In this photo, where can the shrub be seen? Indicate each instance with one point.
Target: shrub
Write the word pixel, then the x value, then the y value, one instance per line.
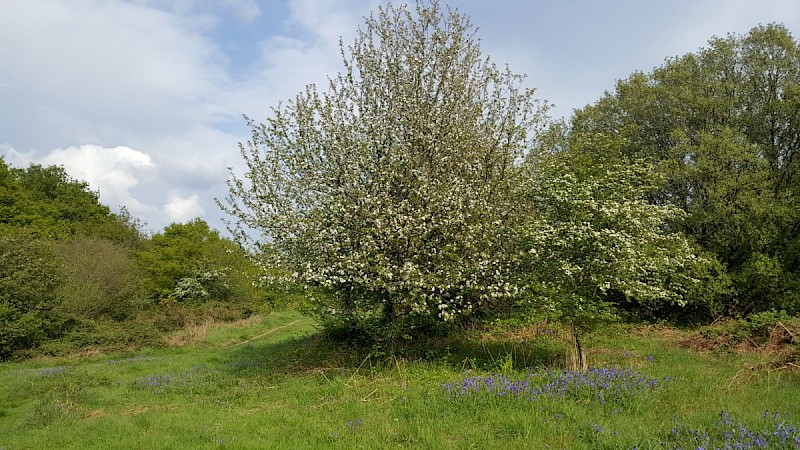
pixel 190 262
pixel 29 277
pixel 101 280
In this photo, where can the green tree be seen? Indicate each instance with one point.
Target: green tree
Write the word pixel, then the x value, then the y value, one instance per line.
pixel 55 204
pixel 29 277
pixel 10 194
pixel 394 190
pixel 191 262
pixel 722 127
pixel 595 240
pixel 47 202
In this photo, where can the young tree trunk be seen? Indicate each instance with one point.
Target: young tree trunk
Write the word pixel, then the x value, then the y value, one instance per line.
pixel 388 310
pixel 576 356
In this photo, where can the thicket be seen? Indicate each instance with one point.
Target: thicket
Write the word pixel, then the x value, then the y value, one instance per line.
pixel 74 274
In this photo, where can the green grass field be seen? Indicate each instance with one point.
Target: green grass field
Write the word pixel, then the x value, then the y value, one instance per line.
pixel 272 382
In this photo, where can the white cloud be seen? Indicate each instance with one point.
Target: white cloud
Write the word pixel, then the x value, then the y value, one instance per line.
pixel 182 209
pixel 329 19
pixel 196 159
pixel 114 172
pixel 306 52
pixel 90 71
pixel 15 157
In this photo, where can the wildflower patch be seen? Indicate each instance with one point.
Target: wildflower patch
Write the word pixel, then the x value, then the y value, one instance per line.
pixel 601 384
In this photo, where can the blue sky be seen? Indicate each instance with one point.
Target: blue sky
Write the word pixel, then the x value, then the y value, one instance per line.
pixel 143 98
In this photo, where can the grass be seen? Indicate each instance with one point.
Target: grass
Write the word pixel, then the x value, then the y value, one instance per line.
pixel 272 382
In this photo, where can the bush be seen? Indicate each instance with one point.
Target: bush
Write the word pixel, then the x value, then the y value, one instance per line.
pixel 763 284
pixel 29 277
pixel 189 262
pixel 101 280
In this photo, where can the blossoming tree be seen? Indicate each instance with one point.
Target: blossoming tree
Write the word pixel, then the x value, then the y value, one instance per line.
pixel 596 239
pixel 394 189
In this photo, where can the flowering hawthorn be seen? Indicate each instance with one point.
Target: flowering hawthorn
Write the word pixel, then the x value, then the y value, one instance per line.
pixel 394 189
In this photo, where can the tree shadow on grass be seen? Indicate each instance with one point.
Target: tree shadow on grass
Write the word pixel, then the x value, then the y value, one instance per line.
pixel 460 351
pixel 503 353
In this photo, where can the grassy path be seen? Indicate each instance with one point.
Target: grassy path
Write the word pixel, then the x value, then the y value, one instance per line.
pixel 259 336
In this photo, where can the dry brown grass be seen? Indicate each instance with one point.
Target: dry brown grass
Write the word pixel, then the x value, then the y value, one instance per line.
pixel 191 333
pixel 779 349
pixel 524 333
pixel 197 331
pixel 248 322
pixel 663 331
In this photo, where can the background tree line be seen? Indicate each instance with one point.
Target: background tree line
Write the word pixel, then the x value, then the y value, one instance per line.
pixel 74 274
pixel 722 126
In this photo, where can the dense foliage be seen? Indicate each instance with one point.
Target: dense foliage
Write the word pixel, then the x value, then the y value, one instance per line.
pixel 47 202
pixel 594 242
pixel 190 262
pixel 72 273
pixel 722 126
pixel 28 283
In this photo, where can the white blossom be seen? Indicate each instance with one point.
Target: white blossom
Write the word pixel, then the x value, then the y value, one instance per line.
pixel 397 182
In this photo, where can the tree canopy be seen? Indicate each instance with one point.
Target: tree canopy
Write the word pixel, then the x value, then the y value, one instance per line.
pixel 393 188
pixel 722 126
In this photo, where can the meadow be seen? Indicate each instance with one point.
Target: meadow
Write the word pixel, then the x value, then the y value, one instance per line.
pixel 273 381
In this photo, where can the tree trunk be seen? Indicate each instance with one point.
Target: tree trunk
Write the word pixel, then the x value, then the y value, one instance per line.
pixel 576 356
pixel 388 310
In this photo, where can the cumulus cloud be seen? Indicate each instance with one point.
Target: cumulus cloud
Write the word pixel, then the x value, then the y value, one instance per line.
pixel 15 157
pixel 183 209
pixel 114 171
pixel 86 71
pixel 196 159
pixel 329 19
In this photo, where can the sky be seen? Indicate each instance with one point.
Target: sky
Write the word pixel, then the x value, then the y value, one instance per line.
pixel 143 99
